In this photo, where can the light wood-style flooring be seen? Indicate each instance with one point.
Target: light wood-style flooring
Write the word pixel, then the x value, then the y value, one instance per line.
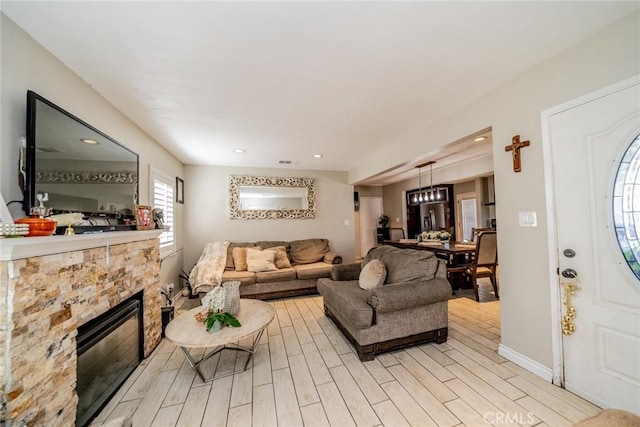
pixel 305 373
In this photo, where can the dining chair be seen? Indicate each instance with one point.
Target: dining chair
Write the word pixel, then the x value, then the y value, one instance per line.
pixel 476 231
pixel 396 234
pixel 485 261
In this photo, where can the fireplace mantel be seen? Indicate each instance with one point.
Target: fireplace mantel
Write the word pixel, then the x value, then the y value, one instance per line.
pixel 29 247
pixel 49 286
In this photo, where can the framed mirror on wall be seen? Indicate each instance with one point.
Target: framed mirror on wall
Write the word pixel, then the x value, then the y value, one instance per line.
pixel 264 197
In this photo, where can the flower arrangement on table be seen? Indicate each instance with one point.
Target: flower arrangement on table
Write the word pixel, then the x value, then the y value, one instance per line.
pixel 215 316
pixel 436 235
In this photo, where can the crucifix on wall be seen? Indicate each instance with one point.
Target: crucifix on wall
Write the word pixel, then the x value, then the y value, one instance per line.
pixel 515 147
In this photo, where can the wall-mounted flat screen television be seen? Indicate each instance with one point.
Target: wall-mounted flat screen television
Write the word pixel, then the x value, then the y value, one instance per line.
pixel 79 167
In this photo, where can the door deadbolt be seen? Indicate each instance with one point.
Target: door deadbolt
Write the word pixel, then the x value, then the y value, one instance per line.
pixel 569 253
pixel 569 273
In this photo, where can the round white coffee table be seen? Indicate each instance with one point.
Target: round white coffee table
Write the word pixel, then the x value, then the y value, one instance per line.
pixel 186 332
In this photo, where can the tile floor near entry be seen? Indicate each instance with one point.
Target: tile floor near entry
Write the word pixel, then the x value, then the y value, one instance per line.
pixel 305 373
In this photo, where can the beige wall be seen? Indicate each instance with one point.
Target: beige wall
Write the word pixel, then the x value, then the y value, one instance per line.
pixel 207 212
pixel 26 65
pixel 514 108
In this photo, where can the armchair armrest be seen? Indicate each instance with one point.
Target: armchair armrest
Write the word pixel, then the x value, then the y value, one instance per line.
pixel 345 272
pixel 332 258
pixel 394 297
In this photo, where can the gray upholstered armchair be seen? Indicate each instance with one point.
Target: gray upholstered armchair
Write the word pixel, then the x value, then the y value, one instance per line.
pixel 410 307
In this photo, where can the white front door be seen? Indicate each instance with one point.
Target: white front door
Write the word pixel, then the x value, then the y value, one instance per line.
pixel 370 211
pixel 588 142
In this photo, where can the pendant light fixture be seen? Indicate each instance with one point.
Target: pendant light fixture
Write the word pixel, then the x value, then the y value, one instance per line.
pixel 429 194
pixel 417 197
pixel 432 195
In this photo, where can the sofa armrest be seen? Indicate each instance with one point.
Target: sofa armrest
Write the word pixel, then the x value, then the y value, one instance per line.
pixel 343 272
pixel 332 258
pixel 394 297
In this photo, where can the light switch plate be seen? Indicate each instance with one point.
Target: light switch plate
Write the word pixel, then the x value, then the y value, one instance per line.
pixel 347 222
pixel 528 219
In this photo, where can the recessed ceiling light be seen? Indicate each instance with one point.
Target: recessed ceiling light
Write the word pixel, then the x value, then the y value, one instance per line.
pixel 238 150
pixel 480 138
pixel 318 156
pixel 89 141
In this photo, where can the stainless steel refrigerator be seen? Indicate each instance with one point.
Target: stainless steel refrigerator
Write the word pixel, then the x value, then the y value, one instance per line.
pixel 434 216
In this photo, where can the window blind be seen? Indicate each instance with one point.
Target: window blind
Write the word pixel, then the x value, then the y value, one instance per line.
pixel 163 195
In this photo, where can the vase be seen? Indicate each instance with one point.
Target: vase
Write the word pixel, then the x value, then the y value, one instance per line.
pixel 232 297
pixel 217 325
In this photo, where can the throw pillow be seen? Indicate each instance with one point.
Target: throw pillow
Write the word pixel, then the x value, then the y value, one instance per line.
pixel 281 259
pixel 240 258
pixel 372 275
pixel 308 251
pixel 232 246
pixel 259 260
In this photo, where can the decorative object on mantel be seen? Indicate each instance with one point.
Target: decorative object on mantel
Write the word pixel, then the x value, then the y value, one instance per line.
pixel 158 218
pixel 144 217
pixel 214 318
pixel 69 231
pixel 179 190
pixel 14 230
pixel 515 147
pixel 38 224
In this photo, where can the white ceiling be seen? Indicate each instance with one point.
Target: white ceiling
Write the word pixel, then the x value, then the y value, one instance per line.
pixel 286 80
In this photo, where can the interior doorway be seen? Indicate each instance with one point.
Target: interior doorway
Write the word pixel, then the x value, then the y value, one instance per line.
pixel 466 215
pixel 370 210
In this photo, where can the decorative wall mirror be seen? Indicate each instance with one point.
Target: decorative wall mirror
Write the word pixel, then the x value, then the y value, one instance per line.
pixel 265 197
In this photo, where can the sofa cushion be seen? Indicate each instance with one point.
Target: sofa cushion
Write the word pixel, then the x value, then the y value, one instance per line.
pixel 259 260
pixel 308 251
pixel 244 277
pixel 348 299
pixel 281 259
pixel 316 270
pixel 230 264
pixel 372 275
pixel 405 265
pixel 268 244
pixel 240 258
pixel 280 275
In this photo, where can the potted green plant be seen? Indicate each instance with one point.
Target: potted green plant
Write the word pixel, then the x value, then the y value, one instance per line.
pixel 383 220
pixel 215 317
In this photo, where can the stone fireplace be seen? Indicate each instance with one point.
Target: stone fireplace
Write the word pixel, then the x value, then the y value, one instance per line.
pixel 49 286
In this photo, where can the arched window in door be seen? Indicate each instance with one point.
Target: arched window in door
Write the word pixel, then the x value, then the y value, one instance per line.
pixel 626 206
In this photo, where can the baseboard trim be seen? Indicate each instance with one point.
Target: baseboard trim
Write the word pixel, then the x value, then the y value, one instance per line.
pixel 523 361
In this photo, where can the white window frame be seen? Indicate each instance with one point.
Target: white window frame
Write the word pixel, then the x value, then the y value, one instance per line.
pixel 166 246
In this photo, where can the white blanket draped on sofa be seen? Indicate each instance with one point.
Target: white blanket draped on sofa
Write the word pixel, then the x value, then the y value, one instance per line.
pixel 207 273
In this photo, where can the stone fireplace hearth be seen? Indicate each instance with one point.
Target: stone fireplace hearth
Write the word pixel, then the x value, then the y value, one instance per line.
pixel 49 286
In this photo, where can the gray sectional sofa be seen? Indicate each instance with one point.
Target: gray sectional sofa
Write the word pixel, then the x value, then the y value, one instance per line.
pixel 409 308
pixel 310 259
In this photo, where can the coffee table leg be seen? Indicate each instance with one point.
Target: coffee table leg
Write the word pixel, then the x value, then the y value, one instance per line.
pixel 196 364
